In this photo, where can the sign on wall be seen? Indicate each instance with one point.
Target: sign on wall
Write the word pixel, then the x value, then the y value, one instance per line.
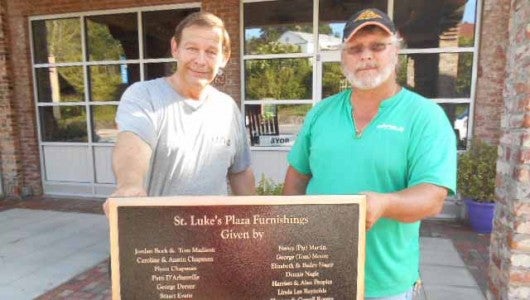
pixel 283 140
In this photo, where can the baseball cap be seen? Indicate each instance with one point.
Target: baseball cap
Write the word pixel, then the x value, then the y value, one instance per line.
pixel 365 17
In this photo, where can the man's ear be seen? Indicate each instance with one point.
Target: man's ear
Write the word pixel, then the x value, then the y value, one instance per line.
pixel 174 47
pixel 226 57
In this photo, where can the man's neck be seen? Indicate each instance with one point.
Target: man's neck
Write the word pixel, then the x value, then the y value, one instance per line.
pixel 366 103
pixel 189 92
pixel 374 97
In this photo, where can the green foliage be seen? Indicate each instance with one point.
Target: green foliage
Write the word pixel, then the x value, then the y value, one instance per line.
pixel 106 83
pixel 401 75
pixel 101 44
pixel 333 80
pixel 104 116
pixel 66 123
pixel 268 187
pixel 74 85
pixel 72 131
pixel 281 78
pixel 278 78
pixel 465 65
pixel 477 171
pixel 463 79
pixel 264 46
pixel 64 39
pixel 294 110
pixel 465 41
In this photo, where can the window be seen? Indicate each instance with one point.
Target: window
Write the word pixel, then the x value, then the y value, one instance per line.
pixel 278 69
pixel 286 72
pixel 82 64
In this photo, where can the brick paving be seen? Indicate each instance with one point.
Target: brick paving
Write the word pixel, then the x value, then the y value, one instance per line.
pixel 472 247
pixel 95 282
pixel 81 205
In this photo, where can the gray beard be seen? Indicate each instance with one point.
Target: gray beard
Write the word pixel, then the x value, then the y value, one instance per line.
pixel 371 82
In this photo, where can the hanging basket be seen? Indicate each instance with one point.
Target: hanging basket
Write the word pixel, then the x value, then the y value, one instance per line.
pixel 480 215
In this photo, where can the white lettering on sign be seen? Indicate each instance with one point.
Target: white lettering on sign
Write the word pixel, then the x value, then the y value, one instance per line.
pixel 276 140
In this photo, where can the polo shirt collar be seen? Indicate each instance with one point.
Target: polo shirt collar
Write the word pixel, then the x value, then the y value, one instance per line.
pixel 384 104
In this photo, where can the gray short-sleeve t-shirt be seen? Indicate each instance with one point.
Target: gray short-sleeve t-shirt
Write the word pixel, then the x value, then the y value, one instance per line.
pixel 195 143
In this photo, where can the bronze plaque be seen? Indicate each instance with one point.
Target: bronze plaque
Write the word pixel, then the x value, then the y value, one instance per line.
pixel 210 247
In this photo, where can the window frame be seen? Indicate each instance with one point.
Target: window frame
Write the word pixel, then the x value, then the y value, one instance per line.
pixel 319 57
pixel 97 188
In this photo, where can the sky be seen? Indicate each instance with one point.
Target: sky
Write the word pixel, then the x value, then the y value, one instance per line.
pixel 469 13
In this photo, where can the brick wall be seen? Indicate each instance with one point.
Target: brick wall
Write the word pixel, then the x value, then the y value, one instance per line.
pixel 491 70
pixel 509 270
pixel 228 10
pixel 10 165
pixel 19 151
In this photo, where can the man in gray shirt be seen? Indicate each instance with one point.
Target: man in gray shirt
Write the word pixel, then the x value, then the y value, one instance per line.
pixel 179 135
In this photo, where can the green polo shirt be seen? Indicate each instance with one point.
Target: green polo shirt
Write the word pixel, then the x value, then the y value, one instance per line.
pixel 410 141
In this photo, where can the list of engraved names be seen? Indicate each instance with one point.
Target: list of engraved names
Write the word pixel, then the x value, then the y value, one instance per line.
pixel 277 252
pixel 304 271
pixel 175 270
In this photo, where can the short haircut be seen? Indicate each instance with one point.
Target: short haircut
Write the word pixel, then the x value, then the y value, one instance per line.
pixel 204 19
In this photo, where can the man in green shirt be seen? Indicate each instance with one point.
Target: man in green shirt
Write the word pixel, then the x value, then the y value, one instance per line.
pixel 381 140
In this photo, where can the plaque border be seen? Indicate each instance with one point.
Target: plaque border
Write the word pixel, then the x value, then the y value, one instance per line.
pixel 173 201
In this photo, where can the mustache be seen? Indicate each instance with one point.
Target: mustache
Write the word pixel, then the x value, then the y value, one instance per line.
pixel 367 65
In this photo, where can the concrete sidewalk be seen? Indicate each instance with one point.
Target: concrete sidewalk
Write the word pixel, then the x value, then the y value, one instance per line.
pixel 444 274
pixel 63 255
pixel 40 250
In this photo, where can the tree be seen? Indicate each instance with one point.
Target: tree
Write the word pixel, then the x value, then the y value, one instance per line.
pixel 271 34
pixel 278 78
pixel 465 65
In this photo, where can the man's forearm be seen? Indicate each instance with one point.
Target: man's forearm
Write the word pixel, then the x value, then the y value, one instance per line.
pixel 295 183
pixel 418 202
pixel 130 160
pixel 243 183
pixel 415 203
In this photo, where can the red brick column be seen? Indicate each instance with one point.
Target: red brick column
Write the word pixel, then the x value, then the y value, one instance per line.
pixel 228 11
pixel 509 270
pixel 491 70
pixel 22 101
pixel 10 160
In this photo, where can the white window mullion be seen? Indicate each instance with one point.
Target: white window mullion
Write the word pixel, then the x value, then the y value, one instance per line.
pixel 86 70
pixel 85 58
pixel 390 9
pixel 59 104
pixel 452 100
pixel 474 72
pixel 279 102
pixel 438 50
pixel 277 56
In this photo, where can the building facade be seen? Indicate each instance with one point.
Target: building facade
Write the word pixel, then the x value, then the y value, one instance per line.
pixel 64 65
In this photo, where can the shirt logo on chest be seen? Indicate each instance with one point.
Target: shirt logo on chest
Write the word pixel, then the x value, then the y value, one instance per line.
pixel 221 140
pixel 391 127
